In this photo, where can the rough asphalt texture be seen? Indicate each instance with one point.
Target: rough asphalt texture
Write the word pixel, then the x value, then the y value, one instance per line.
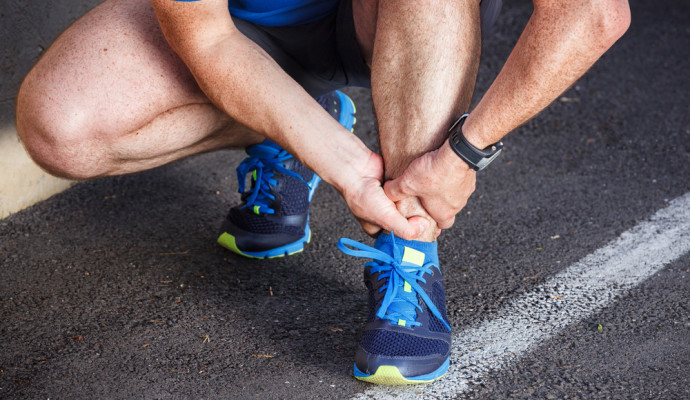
pixel 116 289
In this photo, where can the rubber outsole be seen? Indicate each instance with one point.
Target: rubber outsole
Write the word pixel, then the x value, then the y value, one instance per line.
pixel 228 241
pixel 390 375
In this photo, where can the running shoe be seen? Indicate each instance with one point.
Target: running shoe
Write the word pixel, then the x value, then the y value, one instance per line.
pixel 407 337
pixel 273 218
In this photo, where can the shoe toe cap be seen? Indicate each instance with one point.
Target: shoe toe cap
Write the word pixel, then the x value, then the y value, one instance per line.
pixel 409 367
pixel 412 355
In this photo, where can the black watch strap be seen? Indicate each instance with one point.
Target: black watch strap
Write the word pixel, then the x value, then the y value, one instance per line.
pixel 477 159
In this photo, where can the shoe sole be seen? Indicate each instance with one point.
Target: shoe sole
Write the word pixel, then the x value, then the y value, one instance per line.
pixel 348 120
pixel 228 241
pixel 390 375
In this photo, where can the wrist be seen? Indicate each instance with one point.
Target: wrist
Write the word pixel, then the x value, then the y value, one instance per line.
pixel 474 135
pixel 450 159
pixel 351 161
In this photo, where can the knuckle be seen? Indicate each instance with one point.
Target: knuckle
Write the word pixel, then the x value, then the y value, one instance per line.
pixel 406 184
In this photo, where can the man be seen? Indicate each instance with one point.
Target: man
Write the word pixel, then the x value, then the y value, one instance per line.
pixel 133 85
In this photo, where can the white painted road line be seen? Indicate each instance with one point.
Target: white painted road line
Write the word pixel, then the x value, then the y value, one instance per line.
pixel 570 296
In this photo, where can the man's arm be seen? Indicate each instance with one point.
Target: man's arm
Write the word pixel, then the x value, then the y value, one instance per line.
pixel 245 82
pixel 559 44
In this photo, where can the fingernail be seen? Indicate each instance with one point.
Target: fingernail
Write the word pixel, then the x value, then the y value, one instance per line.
pixel 423 226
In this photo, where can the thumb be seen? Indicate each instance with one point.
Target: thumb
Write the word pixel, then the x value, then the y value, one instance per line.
pixel 420 225
pixel 395 189
pixel 408 229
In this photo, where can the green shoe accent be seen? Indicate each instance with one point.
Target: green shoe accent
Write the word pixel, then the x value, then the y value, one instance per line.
pixel 390 375
pixel 228 241
pixel 288 254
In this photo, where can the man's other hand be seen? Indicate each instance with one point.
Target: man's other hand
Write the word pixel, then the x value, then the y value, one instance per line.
pixel 440 179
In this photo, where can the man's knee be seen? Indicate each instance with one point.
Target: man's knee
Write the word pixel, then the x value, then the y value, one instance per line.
pixel 57 136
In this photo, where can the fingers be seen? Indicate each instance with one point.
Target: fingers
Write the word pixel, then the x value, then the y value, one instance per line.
pixel 409 230
pixel 445 223
pixel 418 225
pixel 393 221
pixel 442 212
pixel 369 228
pixel 398 190
pixel 375 211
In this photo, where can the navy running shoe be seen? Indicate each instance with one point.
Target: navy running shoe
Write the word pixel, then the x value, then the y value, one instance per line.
pixel 407 337
pixel 273 218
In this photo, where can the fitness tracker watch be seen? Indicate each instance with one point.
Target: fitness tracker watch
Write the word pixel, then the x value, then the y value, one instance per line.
pixel 477 159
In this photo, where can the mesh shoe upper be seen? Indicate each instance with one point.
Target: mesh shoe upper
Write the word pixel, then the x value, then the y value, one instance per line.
pixel 398 344
pixel 286 194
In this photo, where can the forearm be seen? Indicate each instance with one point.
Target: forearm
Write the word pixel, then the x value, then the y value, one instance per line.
pixel 559 44
pixel 244 82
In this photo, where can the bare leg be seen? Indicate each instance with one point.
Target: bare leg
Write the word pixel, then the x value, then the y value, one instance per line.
pixel 424 60
pixel 111 97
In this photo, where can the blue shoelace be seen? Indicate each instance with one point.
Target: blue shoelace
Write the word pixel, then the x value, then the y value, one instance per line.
pixel 397 304
pixel 262 162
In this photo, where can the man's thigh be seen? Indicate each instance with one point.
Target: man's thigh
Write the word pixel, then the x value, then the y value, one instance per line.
pixel 112 71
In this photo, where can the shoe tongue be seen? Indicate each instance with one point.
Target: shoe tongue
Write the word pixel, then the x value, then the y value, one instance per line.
pixel 264 150
pixel 271 143
pixel 414 253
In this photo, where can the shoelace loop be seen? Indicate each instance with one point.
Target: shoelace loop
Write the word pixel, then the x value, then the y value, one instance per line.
pixel 396 304
pixel 263 160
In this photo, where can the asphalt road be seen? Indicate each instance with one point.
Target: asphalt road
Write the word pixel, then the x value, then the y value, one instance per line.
pixel 116 289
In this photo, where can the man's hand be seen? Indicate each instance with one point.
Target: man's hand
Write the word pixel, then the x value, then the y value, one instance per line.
pixel 372 208
pixel 440 179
